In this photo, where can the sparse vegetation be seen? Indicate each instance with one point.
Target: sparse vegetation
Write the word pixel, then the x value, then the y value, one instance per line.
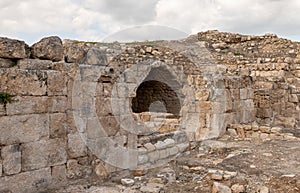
pixel 14 63
pixel 6 98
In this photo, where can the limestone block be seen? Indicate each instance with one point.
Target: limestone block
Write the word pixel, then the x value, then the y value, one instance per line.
pixel 296 73
pixel 107 89
pixel 23 82
pixel 160 145
pixel 109 124
pixel 57 104
pixel 238 188
pixel 57 83
pixel 167 128
pixel 180 137
pixel 243 93
pixel 33 181
pixel 182 146
pixel 23 128
pixel 265 129
pixel 220 188
pixel 15 49
pixel 58 125
pixel 142 159
pixel 153 156
pixel 164 153
pixel 264 112
pixel 173 150
pixel 293 98
pixel 11 156
pixel 76 146
pixel 74 54
pixel 276 130
pixel 149 146
pixel 95 56
pixel 6 63
pixel 101 170
pixel 49 48
pixel 28 105
pixel 43 153
pixel 59 175
pixel 241 132
pixel 218 107
pixel 264 136
pixel 76 170
pixel 35 64
pixel 2 110
pixel 232 132
pixel 202 95
pixel 220 95
pixel 103 106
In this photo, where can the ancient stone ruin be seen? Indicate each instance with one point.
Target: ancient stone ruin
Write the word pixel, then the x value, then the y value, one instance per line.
pixel 77 112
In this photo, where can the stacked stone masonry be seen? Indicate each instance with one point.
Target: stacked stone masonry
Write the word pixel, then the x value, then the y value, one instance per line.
pixel 197 88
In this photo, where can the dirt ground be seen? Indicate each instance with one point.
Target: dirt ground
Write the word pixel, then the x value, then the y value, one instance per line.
pixel 242 166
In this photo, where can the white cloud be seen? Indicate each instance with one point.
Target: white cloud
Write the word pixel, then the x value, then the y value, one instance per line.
pixel 92 20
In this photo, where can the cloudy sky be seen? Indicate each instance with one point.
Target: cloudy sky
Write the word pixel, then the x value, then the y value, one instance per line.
pixel 96 20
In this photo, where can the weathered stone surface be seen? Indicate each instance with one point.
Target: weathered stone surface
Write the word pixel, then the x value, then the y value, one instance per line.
pixel 59 175
pixel 28 105
pixel 101 171
pixel 34 181
pixel 237 188
pixel 22 82
pixel 2 110
pixel 76 146
pixel 220 188
pixel 1 168
pixel 43 153
pixel 57 83
pixel 95 56
pixel 49 48
pixel 11 156
pixel 23 129
pixel 35 64
pixel 58 125
pixel 74 54
pixel 6 63
pixel 152 188
pixel 57 104
pixel 10 48
pixel 77 170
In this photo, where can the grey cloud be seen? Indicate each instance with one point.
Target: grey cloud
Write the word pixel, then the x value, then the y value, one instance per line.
pixel 148 32
pixel 131 12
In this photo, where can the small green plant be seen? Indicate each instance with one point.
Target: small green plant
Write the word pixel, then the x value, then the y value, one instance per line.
pixel 236 53
pixel 13 64
pixel 5 98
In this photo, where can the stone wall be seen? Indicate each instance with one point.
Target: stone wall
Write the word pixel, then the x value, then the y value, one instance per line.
pixel 272 64
pixel 78 111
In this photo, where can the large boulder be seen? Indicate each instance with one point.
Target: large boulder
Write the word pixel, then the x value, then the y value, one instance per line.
pixel 49 48
pixel 13 49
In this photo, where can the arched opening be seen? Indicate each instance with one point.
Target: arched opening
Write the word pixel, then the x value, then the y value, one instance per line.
pixel 156 96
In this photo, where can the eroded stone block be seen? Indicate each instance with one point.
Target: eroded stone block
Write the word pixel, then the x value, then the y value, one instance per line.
pixel 11 156
pixel 76 146
pixel 43 153
pixel 58 125
pixel 57 83
pixel 33 181
pixel 23 128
